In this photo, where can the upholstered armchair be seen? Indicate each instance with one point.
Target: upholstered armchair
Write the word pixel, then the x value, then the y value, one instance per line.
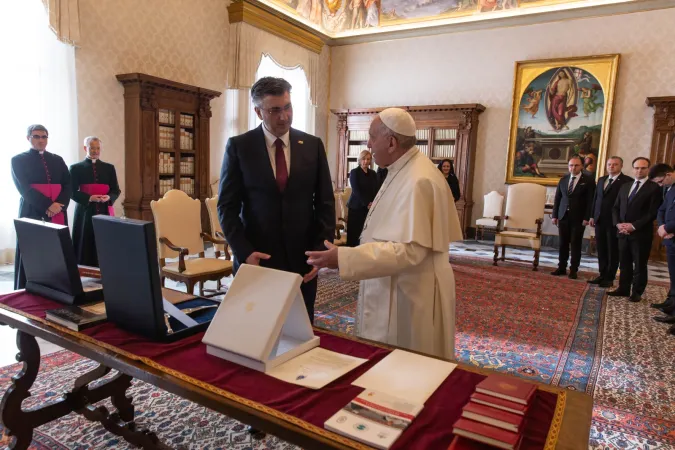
pixel 213 187
pixel 492 213
pixel 216 230
pixel 179 234
pixel 524 217
pixel 341 212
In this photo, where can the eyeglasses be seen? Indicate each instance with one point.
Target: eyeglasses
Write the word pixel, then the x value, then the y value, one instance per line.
pixel 276 111
pixel 37 136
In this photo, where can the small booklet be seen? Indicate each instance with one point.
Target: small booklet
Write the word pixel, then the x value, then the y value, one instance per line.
pixel 78 318
pixel 374 418
pixel 316 368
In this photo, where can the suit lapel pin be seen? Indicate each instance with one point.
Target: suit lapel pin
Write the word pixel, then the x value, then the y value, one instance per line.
pixel 301 142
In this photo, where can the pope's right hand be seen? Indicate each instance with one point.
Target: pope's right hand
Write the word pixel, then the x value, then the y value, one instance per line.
pixel 554 221
pixel 255 257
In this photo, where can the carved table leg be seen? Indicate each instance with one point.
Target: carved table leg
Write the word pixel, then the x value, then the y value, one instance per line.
pixel 20 423
pixel 12 416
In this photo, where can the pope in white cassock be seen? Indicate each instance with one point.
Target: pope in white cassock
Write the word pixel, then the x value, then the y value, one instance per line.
pixel 407 292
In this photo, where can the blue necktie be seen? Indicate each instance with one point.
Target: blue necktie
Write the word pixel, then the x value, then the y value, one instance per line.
pixel 632 194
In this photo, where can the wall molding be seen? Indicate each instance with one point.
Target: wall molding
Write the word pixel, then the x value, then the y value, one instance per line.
pixel 277 23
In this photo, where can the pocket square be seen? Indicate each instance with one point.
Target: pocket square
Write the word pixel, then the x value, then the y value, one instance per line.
pixel 301 142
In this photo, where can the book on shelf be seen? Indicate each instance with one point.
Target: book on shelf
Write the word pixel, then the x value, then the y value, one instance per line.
pixel 187 120
pixel 78 318
pixel 358 135
pixel 445 134
pixel 507 388
pixel 374 418
pixel 487 434
pixel 186 140
pixel 422 135
pixel 499 403
pixel 493 416
pixel 167 116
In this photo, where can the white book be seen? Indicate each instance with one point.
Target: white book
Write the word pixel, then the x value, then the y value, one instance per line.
pixel 374 418
pixel 406 375
pixel 262 322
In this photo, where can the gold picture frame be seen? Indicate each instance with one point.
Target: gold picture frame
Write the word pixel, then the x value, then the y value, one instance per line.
pixel 560 107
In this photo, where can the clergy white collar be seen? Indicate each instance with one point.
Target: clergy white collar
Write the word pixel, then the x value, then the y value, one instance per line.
pixel 399 163
pixel 270 139
pixel 92 160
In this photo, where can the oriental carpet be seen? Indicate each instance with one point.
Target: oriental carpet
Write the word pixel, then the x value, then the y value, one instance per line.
pixel 552 330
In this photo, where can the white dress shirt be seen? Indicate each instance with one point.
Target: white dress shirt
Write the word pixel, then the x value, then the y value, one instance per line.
pixel 642 183
pixel 575 181
pixel 270 139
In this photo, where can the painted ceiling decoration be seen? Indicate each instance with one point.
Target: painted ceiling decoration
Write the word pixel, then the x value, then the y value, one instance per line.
pixel 339 19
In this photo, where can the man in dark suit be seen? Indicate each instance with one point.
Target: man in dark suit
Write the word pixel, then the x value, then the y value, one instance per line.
pixel 605 232
pixel 571 211
pixel 276 198
pixel 634 212
pixel 662 174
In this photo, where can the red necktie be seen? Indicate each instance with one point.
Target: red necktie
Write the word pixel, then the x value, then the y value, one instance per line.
pixel 280 161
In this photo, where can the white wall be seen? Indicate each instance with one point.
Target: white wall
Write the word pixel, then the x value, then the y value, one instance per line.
pixel 478 67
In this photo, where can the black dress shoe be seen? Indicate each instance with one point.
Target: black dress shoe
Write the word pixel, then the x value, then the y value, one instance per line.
pixel 572 275
pixel 671 330
pixel 665 319
pixel 635 298
pixel 558 272
pixel 596 280
pixel 666 303
pixel 618 293
pixel 670 310
pixel 606 284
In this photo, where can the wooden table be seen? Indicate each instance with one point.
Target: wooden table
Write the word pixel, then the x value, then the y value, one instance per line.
pixel 574 433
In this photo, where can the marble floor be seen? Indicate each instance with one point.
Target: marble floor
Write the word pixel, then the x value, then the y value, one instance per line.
pixel 480 249
pixel 658 271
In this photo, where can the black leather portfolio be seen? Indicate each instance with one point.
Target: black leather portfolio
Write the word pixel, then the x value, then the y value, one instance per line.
pixel 128 258
pixel 48 259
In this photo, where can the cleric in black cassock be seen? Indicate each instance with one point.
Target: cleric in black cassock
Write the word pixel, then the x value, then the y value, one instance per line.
pixel 43 181
pixel 95 190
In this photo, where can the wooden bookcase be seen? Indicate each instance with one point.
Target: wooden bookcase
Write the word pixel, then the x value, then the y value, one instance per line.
pixel 443 131
pixel 662 151
pixel 166 128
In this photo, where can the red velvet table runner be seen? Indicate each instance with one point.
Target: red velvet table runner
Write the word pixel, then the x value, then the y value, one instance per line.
pixel 187 359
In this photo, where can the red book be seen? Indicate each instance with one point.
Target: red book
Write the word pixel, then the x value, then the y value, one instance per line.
pixel 486 434
pixel 492 416
pixel 462 443
pixel 508 388
pixel 499 403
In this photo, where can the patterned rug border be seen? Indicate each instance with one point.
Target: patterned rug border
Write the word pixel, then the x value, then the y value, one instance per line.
pixel 591 310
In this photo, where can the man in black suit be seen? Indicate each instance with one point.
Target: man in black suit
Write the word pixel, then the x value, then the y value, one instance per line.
pixel 605 232
pixel 276 198
pixel 662 174
pixel 571 211
pixel 634 212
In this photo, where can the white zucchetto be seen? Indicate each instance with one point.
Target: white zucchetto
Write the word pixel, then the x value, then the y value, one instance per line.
pixel 398 121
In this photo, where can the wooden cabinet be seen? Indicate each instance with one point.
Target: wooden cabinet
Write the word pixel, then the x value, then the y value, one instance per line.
pixel 663 149
pixel 443 131
pixel 166 140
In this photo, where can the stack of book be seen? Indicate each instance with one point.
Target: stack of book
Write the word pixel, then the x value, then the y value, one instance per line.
pixel 495 415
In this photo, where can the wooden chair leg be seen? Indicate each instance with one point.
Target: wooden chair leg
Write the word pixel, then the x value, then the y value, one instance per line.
pixel 190 287
pixel 201 288
pixel 536 260
pixel 478 232
pixel 494 262
pixel 162 279
pixel 503 252
pixel 218 285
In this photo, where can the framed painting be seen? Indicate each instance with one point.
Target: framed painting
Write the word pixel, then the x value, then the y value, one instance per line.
pixel 561 108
